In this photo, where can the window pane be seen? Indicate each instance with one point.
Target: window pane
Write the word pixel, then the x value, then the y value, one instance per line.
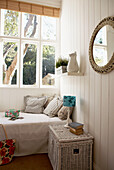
pixel 10 51
pixel 48 65
pixel 10 25
pixel 30 25
pixel 29 64
pixel 48 28
pixel 100 56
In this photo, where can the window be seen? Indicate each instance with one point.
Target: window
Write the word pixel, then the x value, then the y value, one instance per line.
pixel 28 47
pixel 48 65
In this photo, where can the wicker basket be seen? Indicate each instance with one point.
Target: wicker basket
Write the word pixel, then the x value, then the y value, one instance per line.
pixel 67 151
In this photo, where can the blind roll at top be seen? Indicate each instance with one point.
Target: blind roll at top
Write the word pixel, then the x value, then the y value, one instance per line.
pixel 29 8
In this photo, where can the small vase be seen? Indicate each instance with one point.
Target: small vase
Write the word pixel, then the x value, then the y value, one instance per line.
pixel 61 69
pixel 73 64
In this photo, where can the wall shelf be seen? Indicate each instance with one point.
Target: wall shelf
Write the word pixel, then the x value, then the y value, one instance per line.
pixel 70 74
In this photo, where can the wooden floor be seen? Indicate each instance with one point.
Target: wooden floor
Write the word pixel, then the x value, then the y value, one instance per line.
pixel 31 162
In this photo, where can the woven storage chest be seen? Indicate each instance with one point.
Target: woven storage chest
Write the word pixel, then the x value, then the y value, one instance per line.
pixel 68 151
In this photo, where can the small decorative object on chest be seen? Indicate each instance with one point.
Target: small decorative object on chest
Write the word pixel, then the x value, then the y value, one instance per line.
pixel 68 151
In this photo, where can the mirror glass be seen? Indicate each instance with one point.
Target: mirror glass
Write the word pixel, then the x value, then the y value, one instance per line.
pixel 103 46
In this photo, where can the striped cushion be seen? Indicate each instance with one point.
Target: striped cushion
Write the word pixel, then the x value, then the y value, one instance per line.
pixel 53 107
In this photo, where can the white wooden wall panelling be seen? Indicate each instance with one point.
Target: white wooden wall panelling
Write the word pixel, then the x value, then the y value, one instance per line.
pixel 92 74
pixel 82 60
pixel 78 51
pixel 69 27
pixel 104 103
pixel 72 25
pixel 75 93
pixel 75 27
pixel 78 98
pixel 4 99
pixel 97 98
pixel 14 98
pixel 86 74
pixel 110 153
pixel 96 89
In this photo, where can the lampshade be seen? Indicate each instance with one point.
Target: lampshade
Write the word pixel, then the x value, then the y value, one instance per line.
pixel 69 101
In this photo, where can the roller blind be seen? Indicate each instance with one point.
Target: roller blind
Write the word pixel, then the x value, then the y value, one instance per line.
pixel 29 8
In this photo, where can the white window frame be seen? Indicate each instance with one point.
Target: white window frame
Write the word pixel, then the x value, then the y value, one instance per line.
pixel 39 41
pixel 54 45
pixel 37 61
pixel 1 26
pixel 1 62
pixel 22 32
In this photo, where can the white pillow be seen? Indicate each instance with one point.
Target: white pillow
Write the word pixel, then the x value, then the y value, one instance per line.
pixel 53 107
pixel 35 105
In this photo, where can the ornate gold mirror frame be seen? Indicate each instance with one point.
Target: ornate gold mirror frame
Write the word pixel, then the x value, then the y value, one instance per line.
pixel 110 65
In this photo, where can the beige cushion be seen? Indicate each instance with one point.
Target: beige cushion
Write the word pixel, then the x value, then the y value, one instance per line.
pixel 26 98
pixel 49 99
pixel 34 104
pixel 63 112
pixel 53 107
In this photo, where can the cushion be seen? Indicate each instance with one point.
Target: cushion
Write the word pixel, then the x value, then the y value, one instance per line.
pixel 53 107
pixel 49 99
pixel 28 97
pixel 63 112
pixel 34 104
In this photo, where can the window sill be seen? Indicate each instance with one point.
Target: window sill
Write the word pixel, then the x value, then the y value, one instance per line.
pixel 28 87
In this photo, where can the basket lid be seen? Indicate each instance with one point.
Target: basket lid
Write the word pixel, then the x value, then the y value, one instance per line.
pixel 63 134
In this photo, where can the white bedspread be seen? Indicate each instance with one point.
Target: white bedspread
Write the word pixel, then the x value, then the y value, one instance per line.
pixel 31 133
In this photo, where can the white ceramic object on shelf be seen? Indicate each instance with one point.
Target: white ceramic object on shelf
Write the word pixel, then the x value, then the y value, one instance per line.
pixel 60 70
pixel 73 64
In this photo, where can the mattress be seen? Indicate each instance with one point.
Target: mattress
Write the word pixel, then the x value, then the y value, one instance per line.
pixel 31 132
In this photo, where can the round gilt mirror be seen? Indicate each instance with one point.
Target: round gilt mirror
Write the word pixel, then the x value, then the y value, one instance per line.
pixel 101 47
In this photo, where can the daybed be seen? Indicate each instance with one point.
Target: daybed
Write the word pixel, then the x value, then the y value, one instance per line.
pixel 31 133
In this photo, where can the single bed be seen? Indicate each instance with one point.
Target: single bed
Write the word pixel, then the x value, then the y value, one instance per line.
pixel 31 133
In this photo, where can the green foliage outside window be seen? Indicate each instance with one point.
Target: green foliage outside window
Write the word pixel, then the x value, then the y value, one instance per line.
pixel 11 23
pixel 48 61
pixel 29 65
